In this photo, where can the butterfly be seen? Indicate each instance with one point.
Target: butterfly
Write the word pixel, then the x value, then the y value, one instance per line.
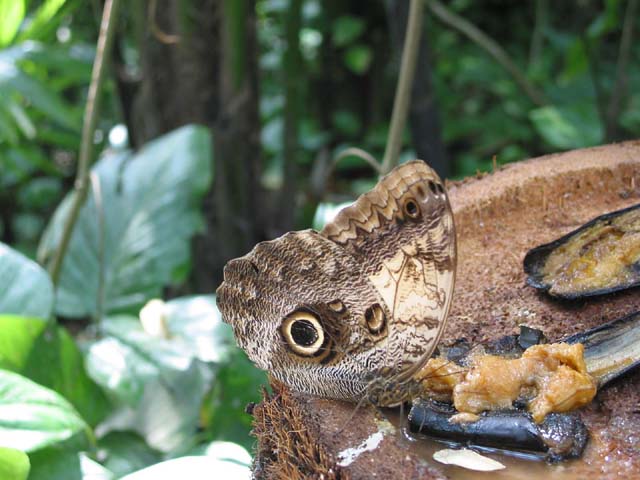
pixel 354 311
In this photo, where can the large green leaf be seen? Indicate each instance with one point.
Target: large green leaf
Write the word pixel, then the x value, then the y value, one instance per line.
pixel 33 417
pixel 160 381
pixel 54 464
pixel 570 127
pixel 14 464
pixel 193 468
pixel 227 451
pixel 11 16
pixel 48 355
pixel 135 239
pixel 13 80
pixel 237 384
pixel 195 322
pixel 17 336
pixel 25 288
pixel 125 452
pixel 56 362
pixel 41 18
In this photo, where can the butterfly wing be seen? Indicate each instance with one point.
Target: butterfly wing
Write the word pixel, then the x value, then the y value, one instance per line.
pixel 402 234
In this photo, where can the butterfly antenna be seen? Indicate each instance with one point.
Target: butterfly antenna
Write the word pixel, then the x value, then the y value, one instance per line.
pixel 353 414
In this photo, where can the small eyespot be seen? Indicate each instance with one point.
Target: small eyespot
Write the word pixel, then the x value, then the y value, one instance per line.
pixel 411 208
pixel 303 333
pixel 337 306
pixel 375 318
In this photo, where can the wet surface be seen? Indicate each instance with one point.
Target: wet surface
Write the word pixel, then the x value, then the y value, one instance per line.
pixel 517 465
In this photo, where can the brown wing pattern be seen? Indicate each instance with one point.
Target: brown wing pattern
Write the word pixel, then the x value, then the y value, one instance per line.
pixel 409 259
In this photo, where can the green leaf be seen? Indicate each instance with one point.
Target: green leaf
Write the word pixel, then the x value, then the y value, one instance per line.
pixel 193 468
pixel 346 122
pixel 21 119
pixel 358 58
pixel 576 61
pixel 347 29
pixel 567 128
pixel 126 452
pixel 14 464
pixel 159 379
pixel 227 451
pixel 41 18
pixel 14 80
pixel 150 209
pixel 11 16
pixel 40 192
pixel 33 417
pixel 630 118
pixel 17 336
pixel 54 464
pixel 196 322
pixel 50 357
pixel 237 384
pixel 56 362
pixel 8 129
pixel 71 64
pixel 607 21
pixel 25 288
pixel 22 161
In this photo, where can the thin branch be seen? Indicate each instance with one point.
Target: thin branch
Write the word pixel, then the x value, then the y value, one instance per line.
pixel 360 153
pixel 537 37
pixel 620 88
pixel 160 35
pixel 105 40
pixel 599 90
pixel 403 89
pixel 293 64
pixel 491 46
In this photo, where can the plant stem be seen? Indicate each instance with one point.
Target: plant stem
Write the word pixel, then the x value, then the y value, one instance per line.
pixel 97 197
pixel 537 37
pixel 491 46
pixel 620 89
pixel 403 89
pixel 81 186
pixel 293 64
pixel 357 152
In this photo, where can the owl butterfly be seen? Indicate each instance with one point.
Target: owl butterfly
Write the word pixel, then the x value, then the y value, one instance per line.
pixel 353 311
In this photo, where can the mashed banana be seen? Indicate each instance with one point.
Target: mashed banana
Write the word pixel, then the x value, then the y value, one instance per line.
pixel 551 378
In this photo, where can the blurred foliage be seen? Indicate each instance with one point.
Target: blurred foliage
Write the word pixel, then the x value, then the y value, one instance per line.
pixel 113 382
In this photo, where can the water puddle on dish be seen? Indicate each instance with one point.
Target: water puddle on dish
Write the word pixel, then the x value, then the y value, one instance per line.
pixel 516 468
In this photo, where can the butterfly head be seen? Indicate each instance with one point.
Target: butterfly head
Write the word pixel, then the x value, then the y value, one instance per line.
pixel 299 303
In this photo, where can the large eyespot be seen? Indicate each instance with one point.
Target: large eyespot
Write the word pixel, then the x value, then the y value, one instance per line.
pixel 411 208
pixel 303 333
pixel 375 318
